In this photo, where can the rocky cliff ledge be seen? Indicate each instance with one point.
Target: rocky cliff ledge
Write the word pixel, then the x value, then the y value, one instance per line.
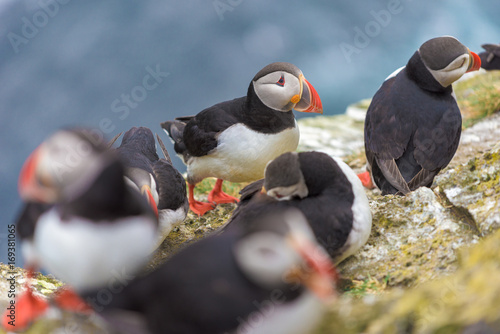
pixel 432 263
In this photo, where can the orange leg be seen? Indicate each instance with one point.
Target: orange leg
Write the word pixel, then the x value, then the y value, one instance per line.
pixel 28 308
pixel 366 180
pixel 200 208
pixel 217 196
pixel 67 299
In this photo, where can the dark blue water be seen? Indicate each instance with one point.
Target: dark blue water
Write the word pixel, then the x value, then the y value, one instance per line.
pixel 117 64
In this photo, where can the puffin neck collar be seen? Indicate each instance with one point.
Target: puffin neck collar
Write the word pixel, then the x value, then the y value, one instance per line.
pixel 418 72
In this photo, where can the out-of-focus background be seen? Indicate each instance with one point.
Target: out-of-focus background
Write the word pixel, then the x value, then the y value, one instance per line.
pixel 115 64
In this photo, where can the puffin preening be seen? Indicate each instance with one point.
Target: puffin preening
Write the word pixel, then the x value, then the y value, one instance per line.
pixel 323 188
pixel 157 179
pixel 81 222
pixel 268 277
pixel 490 58
pixel 234 140
pixel 413 124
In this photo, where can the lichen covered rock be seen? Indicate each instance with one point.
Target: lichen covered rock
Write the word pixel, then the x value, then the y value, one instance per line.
pixel 474 189
pixel 468 298
pixel 414 239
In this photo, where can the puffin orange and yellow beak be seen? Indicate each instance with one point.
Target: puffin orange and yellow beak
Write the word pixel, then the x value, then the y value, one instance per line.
pixel 146 191
pixel 309 100
pixel 29 186
pixel 320 275
pixel 475 63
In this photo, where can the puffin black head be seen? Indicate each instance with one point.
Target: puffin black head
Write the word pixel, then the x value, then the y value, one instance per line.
pixel 140 137
pixel 490 59
pixel 64 166
pixel 447 59
pixel 138 150
pixel 284 179
pixel 282 86
pixel 281 249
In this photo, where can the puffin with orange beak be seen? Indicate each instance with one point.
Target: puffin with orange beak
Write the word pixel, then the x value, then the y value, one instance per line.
pixel 270 276
pixel 234 140
pixel 156 179
pixel 413 124
pixel 80 221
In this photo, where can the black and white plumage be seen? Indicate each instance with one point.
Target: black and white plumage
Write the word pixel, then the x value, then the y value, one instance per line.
pixel 413 124
pixel 490 58
pixel 81 222
pixel 323 188
pixel 157 179
pixel 234 140
pixel 271 277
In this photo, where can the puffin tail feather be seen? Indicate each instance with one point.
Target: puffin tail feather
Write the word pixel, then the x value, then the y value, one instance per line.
pixel 175 130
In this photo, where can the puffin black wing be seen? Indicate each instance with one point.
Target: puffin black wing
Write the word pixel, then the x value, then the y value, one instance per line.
pixel 197 136
pixel 393 131
pixel 390 140
pixel 435 149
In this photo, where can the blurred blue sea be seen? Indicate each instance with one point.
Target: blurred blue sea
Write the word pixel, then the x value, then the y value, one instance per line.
pixel 116 64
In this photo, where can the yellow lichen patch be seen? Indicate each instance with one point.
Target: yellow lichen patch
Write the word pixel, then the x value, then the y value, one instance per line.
pixel 369 286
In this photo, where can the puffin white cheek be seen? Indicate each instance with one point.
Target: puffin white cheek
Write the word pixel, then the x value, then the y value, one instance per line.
pixel 454 71
pixel 276 96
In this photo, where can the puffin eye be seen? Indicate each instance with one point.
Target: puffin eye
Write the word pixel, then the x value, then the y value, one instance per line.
pixel 281 81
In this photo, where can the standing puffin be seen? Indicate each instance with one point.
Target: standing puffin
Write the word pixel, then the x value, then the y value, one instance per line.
pixel 234 140
pixel 323 188
pixel 157 179
pixel 80 222
pixel 269 277
pixel 490 59
pixel 413 124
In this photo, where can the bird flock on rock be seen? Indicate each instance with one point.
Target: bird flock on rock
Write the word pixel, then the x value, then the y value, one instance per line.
pixel 92 211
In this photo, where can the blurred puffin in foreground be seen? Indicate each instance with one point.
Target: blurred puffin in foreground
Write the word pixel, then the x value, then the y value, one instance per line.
pixel 80 221
pixel 413 124
pixel 490 58
pixel 269 277
pixel 234 140
pixel 323 188
pixel 156 179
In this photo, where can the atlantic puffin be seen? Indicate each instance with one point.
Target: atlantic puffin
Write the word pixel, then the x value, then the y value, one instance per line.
pixel 490 58
pixel 413 124
pixel 323 188
pixel 270 277
pixel 234 140
pixel 80 221
pixel 156 179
